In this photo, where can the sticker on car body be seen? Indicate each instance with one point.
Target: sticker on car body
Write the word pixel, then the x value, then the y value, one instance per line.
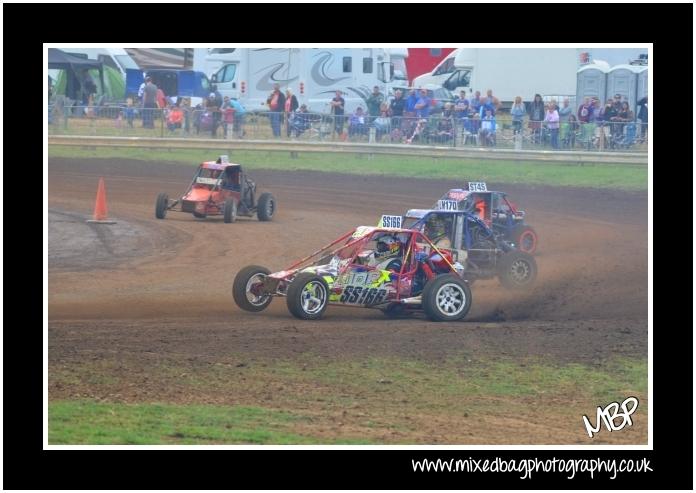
pixel 477 186
pixel 390 221
pixel 447 205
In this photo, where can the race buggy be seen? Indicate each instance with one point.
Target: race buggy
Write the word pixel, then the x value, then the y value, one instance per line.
pixel 470 242
pixel 394 270
pixel 496 211
pixel 219 188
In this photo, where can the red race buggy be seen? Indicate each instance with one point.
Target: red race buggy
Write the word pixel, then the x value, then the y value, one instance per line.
pixel 219 188
pixel 394 270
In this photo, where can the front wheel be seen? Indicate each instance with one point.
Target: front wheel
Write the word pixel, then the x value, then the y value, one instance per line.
pixel 229 211
pixel 517 270
pixel 247 289
pixel 161 206
pixel 446 298
pixel 308 296
pixel 525 238
pixel 266 207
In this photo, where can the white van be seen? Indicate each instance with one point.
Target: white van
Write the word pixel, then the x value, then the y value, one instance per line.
pixel 509 72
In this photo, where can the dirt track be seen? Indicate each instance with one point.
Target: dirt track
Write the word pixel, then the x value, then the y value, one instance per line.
pixel 163 287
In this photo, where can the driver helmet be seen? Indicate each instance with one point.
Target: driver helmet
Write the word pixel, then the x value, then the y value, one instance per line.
pixel 388 246
pixel 435 227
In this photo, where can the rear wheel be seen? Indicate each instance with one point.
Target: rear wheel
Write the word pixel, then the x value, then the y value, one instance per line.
pixel 446 298
pixel 161 206
pixel 308 296
pixel 517 270
pixel 266 207
pixel 525 238
pixel 246 289
pixel 229 211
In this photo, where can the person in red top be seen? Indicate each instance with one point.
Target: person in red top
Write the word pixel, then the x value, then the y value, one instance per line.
pixel 174 118
pixel 161 99
pixel 276 106
pixel 480 207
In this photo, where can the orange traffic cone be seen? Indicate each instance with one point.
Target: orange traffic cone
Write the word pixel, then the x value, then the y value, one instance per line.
pixel 100 212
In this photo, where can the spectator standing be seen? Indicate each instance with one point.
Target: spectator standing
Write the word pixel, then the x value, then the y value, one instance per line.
pixel 475 102
pixel 611 113
pixel 186 109
pixel 161 99
pixel 596 112
pixel 423 105
pixel 565 111
pixel 213 109
pixel 585 111
pixel 149 103
pixel 552 122
pixel 89 88
pixel 290 107
pixel 517 111
pixel 276 105
pixel 227 111
pixel 643 117
pixel 536 116
pixel 492 101
pixel 141 89
pixel 411 103
pixel 338 105
pixel 573 127
pixel 374 102
pixel 239 112
pixel 129 112
pixel 461 106
pixel 397 105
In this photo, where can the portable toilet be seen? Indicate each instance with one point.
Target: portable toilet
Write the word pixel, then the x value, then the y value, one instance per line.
pixel 642 90
pixel 623 79
pixel 592 82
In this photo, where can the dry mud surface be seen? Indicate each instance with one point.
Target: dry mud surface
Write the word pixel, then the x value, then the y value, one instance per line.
pixel 147 286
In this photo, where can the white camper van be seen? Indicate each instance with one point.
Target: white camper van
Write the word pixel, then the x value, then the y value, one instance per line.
pixel 509 72
pixel 313 75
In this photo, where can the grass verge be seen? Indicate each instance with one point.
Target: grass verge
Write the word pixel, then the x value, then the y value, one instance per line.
pixel 611 176
pixel 374 400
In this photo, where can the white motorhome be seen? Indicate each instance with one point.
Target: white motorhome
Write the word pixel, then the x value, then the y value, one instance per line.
pixel 398 56
pixel 509 72
pixel 313 74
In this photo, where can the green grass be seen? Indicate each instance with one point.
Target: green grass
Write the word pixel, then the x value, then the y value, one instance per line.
pixel 85 422
pixel 610 176
pixel 463 377
pixel 381 394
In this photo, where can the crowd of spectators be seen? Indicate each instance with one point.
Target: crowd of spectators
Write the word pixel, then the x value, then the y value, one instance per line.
pixel 401 118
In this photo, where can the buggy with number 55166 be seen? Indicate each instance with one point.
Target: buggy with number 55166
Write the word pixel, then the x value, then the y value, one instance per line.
pixel 395 270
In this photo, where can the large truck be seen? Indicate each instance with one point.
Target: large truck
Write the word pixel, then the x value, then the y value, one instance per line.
pixel 509 72
pixel 313 74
